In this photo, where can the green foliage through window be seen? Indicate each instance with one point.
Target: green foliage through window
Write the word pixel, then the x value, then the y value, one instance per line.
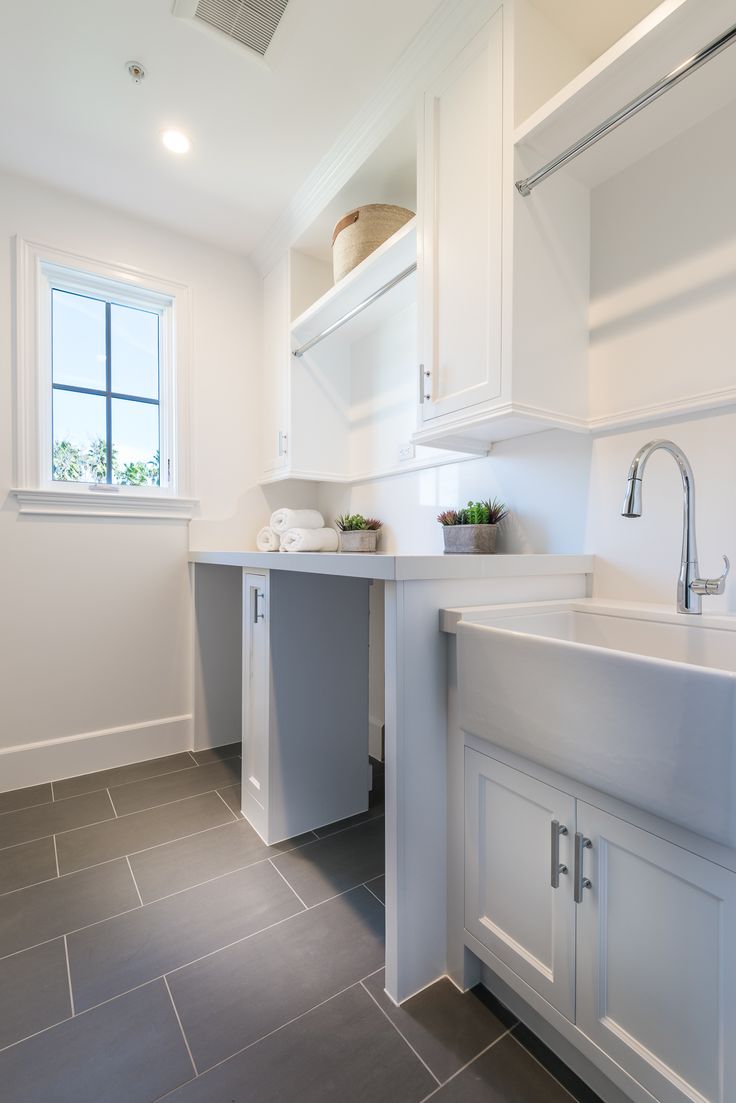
pixel 72 464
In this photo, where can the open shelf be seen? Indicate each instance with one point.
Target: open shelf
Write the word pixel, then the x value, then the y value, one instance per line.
pixel 674 31
pixel 386 263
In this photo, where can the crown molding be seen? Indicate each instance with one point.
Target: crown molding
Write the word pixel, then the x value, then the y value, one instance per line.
pixel 438 40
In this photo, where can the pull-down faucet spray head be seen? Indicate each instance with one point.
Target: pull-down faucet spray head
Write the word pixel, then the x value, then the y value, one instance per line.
pixel 632 499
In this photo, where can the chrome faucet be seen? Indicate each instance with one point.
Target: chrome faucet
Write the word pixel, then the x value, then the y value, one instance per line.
pixel 690 588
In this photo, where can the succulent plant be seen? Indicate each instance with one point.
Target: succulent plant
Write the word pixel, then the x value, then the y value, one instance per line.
pixel 449 517
pixel 352 522
pixel 488 512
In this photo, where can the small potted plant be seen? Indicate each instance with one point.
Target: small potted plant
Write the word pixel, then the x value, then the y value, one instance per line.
pixel 472 530
pixel 358 533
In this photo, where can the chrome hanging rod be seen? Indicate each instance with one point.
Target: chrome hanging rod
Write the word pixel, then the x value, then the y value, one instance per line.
pixel 356 310
pixel 525 187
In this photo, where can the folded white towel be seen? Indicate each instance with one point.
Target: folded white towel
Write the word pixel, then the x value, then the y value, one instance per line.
pixel 284 519
pixel 268 540
pixel 312 540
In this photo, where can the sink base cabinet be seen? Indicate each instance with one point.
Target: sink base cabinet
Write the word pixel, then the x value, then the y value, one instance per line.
pixel 642 967
pixel 305 701
pixel 656 961
pixel 510 904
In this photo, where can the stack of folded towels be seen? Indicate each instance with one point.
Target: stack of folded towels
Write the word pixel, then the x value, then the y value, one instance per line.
pixel 295 530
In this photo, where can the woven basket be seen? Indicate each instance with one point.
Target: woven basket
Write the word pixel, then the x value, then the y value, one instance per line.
pixel 357 234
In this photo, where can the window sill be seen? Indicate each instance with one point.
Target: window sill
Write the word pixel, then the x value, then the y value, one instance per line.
pixel 77 503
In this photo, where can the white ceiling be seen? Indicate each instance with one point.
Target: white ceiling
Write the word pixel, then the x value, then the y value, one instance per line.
pixel 72 116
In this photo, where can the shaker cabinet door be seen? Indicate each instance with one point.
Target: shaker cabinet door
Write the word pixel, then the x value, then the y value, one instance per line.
pixel 255 700
pixel 656 961
pixel 460 219
pixel 276 359
pixel 518 833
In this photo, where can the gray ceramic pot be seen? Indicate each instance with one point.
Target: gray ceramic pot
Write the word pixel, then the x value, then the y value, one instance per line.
pixel 359 540
pixel 470 539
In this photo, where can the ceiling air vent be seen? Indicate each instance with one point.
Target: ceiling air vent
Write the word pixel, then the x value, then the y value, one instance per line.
pixel 249 23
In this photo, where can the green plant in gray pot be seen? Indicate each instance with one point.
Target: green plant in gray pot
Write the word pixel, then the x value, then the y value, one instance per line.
pixel 358 533
pixel 472 530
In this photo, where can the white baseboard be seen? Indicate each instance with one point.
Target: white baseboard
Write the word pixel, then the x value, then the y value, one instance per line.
pixel 375 737
pixel 33 763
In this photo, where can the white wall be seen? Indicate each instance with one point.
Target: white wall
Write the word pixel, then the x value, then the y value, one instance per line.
pixel 543 478
pixel 95 614
pixel 663 303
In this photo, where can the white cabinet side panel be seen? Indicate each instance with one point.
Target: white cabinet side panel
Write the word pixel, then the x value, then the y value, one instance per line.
pixel 217 656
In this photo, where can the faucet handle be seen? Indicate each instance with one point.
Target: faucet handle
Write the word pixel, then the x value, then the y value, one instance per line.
pixel 710 586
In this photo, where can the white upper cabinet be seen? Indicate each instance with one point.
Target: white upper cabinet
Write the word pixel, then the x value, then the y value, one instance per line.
pixel 613 271
pixel 460 214
pixel 275 421
pixel 583 305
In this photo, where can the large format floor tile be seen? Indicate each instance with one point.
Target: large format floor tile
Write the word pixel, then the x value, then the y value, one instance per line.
pixel 24 798
pixel 122 775
pixel 34 991
pixel 111 957
pixel 168 787
pixel 190 861
pixel 447 1028
pixel 56 907
pixel 373 813
pixel 344 1050
pixel 26 864
pixel 231 795
pixel 230 999
pixel 557 1068
pixel 378 888
pixel 49 819
pixel 89 845
pixel 339 862
pixel 505 1074
pixel 128 1051
pixel 216 754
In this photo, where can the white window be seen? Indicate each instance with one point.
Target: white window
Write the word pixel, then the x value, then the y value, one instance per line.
pixel 102 387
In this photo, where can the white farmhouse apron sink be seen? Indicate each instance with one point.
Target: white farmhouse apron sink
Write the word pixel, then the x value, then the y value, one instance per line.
pixel 636 701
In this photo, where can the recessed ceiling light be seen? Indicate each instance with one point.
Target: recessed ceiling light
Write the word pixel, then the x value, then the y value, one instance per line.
pixel 176 141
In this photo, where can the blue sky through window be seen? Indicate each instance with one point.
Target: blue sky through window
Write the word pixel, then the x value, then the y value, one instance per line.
pixel 82 326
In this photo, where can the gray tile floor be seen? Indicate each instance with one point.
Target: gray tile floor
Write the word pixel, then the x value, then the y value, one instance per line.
pixel 152 947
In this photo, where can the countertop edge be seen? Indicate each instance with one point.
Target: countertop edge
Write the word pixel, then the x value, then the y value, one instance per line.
pixel 402 568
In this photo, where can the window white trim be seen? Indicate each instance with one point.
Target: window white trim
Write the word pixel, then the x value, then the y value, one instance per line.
pixel 36 264
pixel 77 503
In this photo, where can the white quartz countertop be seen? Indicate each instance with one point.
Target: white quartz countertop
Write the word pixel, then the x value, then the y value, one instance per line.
pixel 401 568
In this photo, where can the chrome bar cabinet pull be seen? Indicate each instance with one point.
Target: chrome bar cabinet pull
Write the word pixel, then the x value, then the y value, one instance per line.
pixel 556 867
pixel 581 881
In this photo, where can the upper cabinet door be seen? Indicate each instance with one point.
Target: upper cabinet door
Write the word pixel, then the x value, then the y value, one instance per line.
pixel 460 219
pixel 656 961
pixel 518 875
pixel 275 370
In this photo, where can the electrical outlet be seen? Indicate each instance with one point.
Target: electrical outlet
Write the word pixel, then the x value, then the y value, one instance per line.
pixel 406 452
